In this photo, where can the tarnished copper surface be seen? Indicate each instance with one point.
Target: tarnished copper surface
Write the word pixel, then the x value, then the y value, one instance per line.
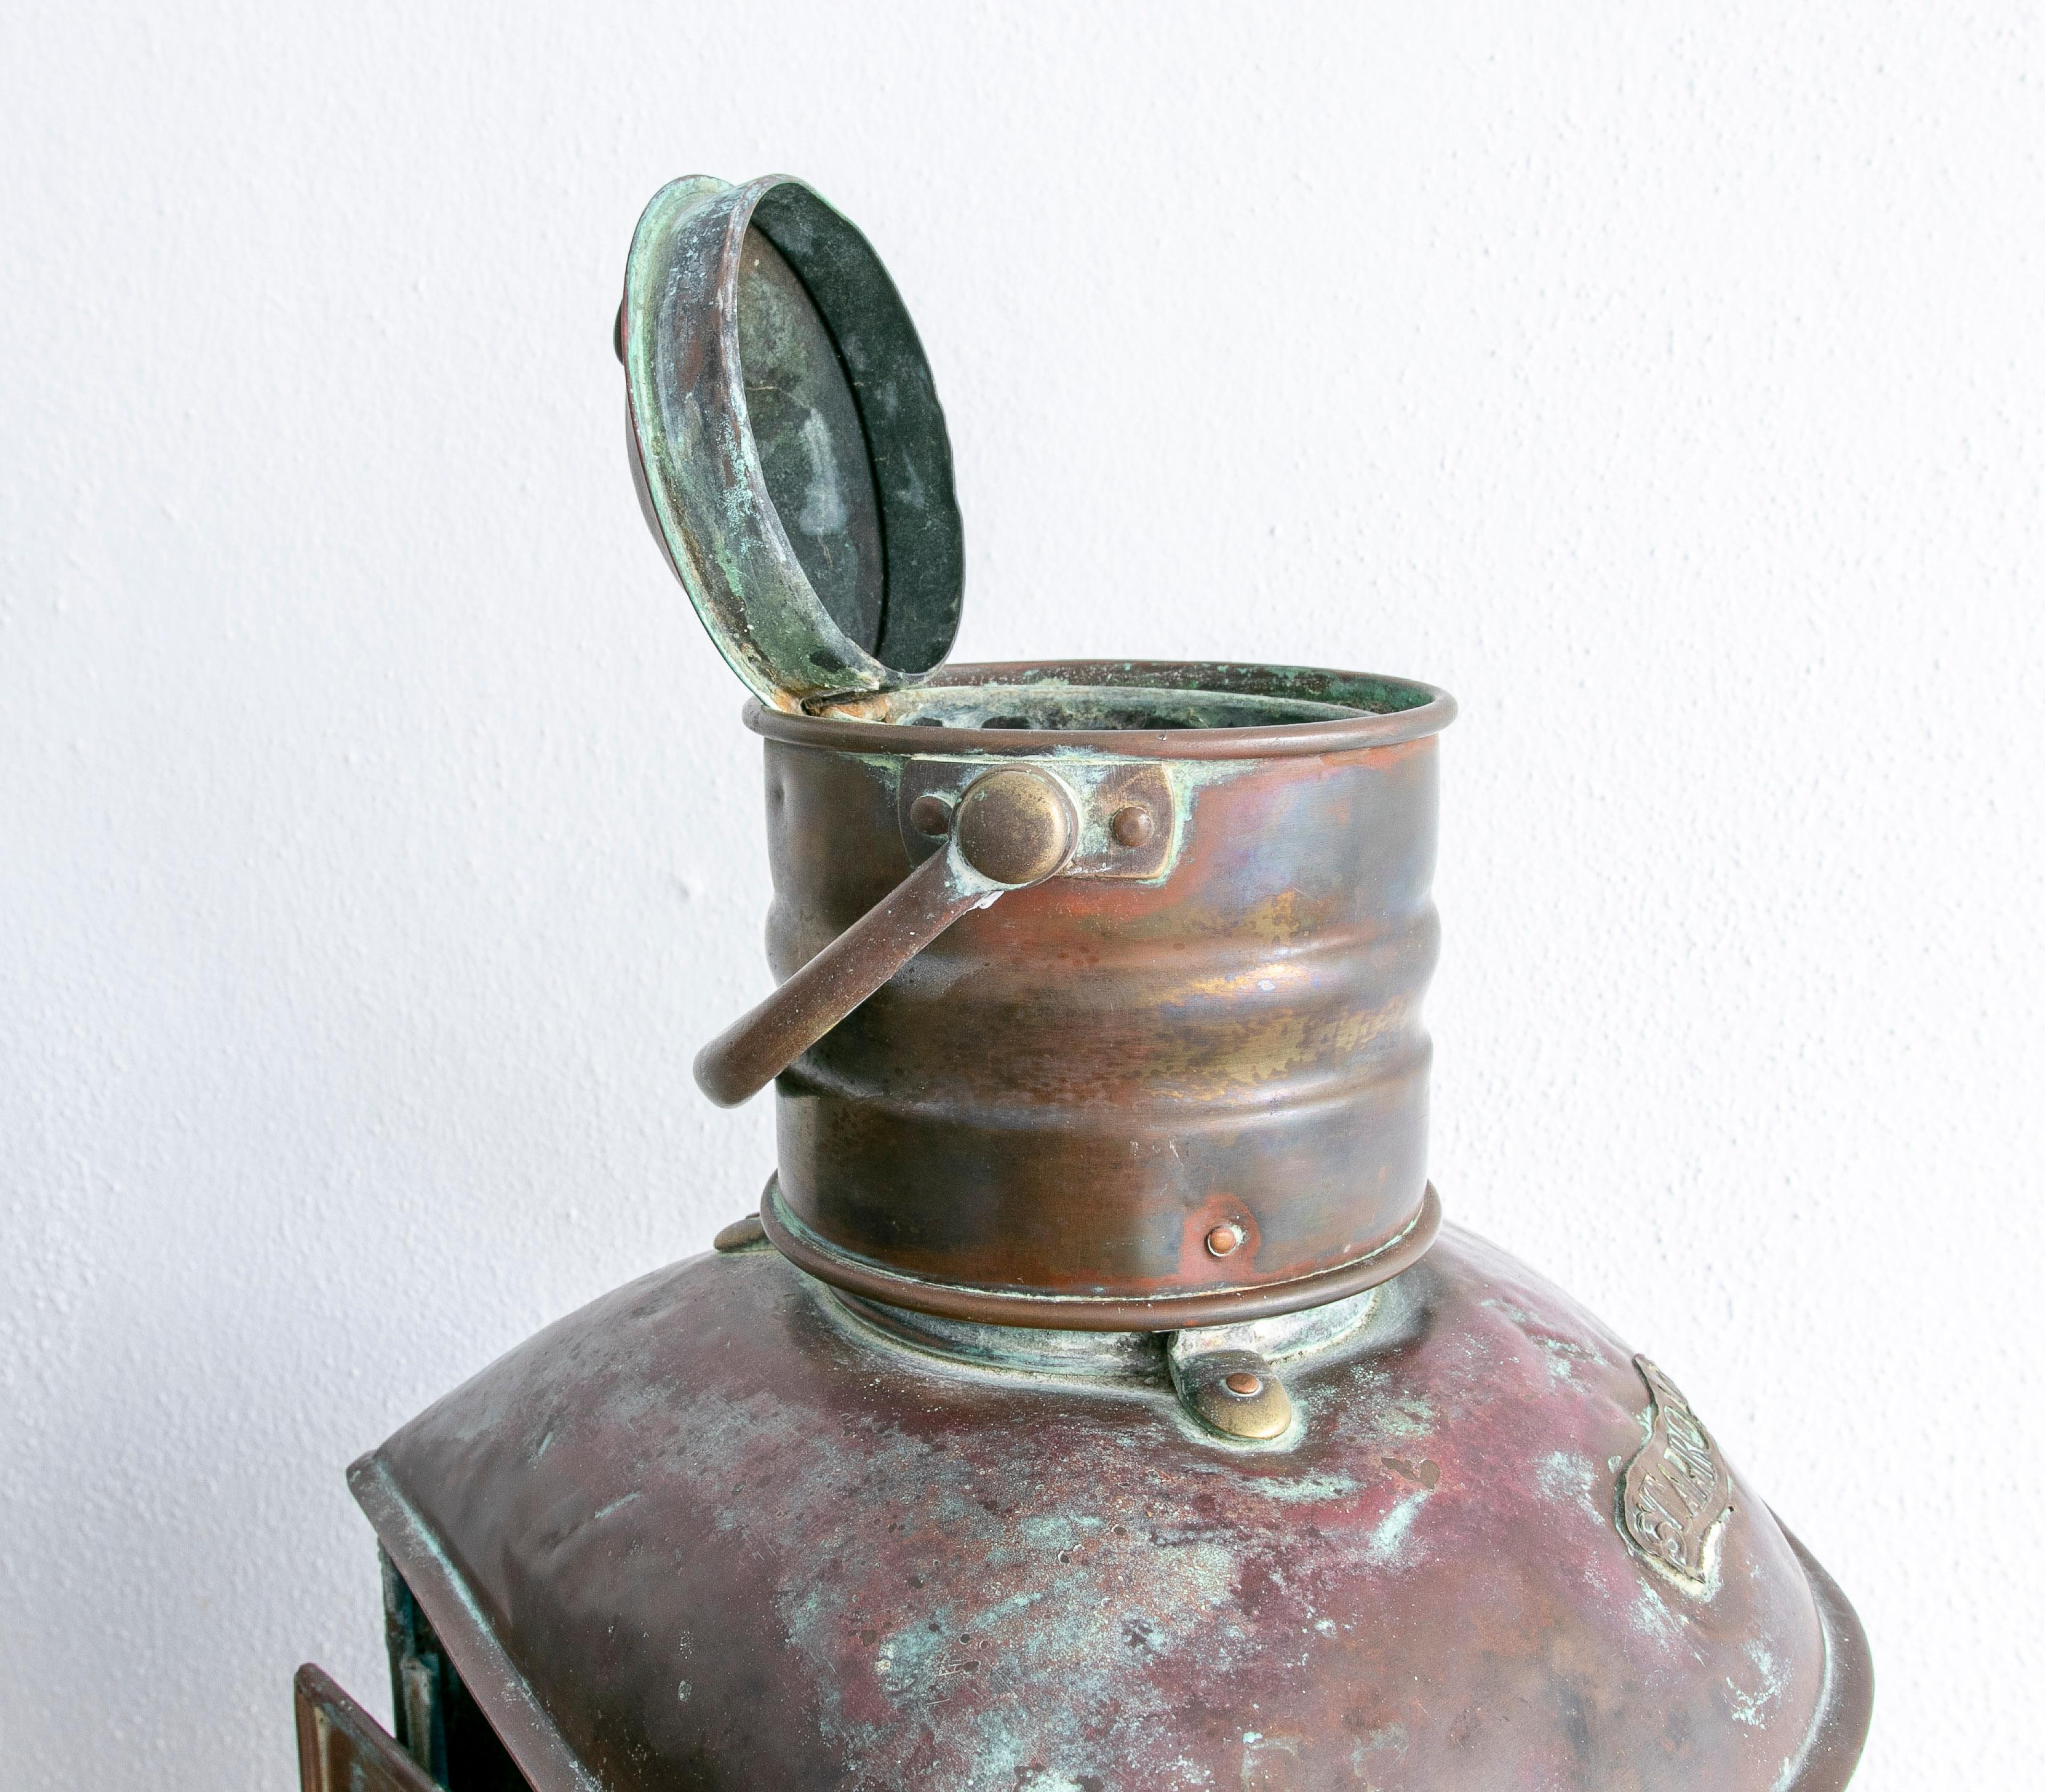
pixel 715 1532
pixel 1045 1114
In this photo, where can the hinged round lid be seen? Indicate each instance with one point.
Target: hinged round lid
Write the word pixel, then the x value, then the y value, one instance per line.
pixel 787 440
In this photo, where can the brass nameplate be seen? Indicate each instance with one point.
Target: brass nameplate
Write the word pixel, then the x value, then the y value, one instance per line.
pixel 1676 1492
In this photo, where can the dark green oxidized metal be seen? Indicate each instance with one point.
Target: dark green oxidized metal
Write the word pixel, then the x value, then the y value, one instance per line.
pixel 1086 1409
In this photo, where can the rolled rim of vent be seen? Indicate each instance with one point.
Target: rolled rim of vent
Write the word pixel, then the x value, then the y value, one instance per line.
pixel 1150 709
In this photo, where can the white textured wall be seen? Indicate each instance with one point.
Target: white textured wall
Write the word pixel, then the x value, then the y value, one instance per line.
pixel 378 838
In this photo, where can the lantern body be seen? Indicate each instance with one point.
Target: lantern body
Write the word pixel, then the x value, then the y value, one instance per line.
pixel 729 1527
pixel 1094 1403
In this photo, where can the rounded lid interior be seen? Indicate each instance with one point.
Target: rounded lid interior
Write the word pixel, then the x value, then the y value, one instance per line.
pixel 786 440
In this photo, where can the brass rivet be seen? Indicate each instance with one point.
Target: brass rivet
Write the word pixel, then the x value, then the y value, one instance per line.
pixel 1242 1384
pixel 932 815
pixel 740 1235
pixel 1015 827
pixel 1133 826
pixel 1223 1239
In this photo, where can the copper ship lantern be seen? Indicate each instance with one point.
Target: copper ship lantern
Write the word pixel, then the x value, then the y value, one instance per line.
pixel 1097 1402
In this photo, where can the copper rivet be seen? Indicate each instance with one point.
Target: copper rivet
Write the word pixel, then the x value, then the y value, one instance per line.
pixel 1132 827
pixel 931 816
pixel 1243 1383
pixel 1223 1239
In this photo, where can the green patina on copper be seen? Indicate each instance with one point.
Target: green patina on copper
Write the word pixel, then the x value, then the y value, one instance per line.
pixel 787 440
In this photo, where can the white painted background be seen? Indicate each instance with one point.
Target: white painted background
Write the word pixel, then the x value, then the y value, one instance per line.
pixel 378 839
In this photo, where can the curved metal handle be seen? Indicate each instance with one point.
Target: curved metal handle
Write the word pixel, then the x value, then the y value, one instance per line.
pixel 1012 828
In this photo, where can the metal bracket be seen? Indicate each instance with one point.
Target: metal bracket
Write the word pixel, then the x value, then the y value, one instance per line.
pixel 1128 815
